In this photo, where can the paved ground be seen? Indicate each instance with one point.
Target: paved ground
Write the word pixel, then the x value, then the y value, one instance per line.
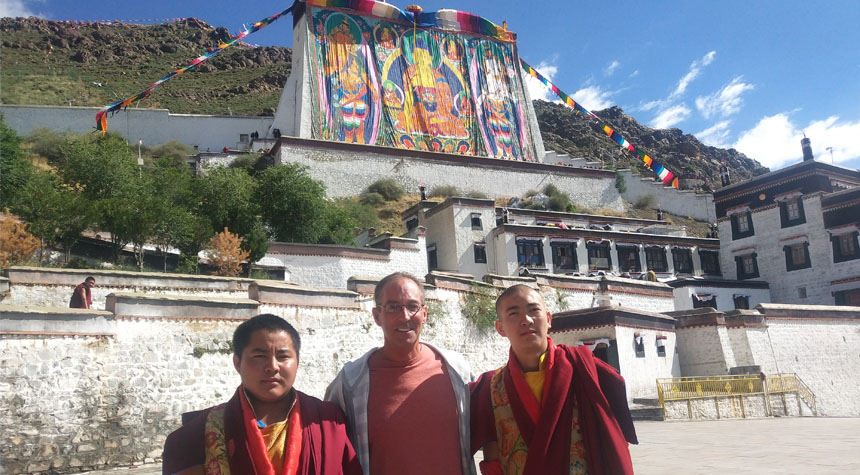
pixel 804 445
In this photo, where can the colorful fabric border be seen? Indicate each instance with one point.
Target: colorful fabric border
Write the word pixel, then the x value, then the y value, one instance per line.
pixel 667 177
pixel 443 19
pixel 112 108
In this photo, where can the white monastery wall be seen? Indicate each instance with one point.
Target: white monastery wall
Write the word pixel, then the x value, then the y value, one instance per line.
pixel 682 203
pixel 725 296
pixel 441 231
pixel 641 373
pixel 466 237
pixel 347 173
pixel 740 346
pixel 152 126
pixel 704 351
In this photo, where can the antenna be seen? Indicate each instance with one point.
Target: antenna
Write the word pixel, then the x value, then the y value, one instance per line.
pixel 830 149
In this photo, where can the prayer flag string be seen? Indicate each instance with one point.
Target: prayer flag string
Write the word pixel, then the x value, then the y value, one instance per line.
pixel 112 108
pixel 667 177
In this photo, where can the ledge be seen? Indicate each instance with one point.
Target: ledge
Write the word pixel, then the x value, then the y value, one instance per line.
pixel 284 293
pixel 133 305
pixel 56 321
pixel 698 317
pixel 113 278
pixel 815 312
pixel 610 315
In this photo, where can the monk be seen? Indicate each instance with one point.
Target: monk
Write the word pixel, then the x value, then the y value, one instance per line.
pixel 82 297
pixel 268 427
pixel 551 409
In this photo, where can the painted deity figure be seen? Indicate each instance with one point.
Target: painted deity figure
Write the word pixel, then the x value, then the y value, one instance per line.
pixel 429 104
pixel 498 109
pixel 349 82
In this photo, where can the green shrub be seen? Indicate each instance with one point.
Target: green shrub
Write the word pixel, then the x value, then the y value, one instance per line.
pixel 77 263
pixel 477 194
pixel 551 190
pixel 444 191
pixel 559 202
pixel 186 265
pixel 372 199
pixel 645 202
pixel 388 188
pixel 479 306
pixel 364 214
pixel 620 182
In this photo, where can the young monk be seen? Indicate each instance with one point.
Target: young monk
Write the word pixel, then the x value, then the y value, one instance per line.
pixel 551 409
pixel 268 427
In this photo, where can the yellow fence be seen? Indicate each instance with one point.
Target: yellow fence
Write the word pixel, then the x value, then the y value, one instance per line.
pixel 698 387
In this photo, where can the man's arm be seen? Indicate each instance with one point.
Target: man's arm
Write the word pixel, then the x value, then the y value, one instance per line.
pixel 84 301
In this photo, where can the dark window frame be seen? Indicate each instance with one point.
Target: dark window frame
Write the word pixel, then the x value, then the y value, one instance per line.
pixel 480 250
pixel 432 258
pixel 650 252
pixel 740 268
pixel 736 232
pixel 717 269
pixel 741 302
pixel 790 264
pixel 784 219
pixel 555 247
pixel 411 222
pixel 476 221
pixel 535 245
pixel 689 258
pixel 627 250
pixel 594 250
pixel 838 254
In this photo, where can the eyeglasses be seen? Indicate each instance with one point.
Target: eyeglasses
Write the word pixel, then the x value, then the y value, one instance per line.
pixel 411 308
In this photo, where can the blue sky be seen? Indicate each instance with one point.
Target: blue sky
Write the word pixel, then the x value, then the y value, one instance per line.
pixel 753 75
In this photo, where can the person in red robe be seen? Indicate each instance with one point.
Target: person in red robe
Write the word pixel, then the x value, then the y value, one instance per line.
pixel 551 409
pixel 268 427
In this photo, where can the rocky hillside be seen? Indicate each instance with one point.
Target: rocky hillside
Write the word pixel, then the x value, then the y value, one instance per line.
pixel 52 63
pixel 696 163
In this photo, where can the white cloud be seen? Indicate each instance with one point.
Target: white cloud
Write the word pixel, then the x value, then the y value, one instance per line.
pixel 16 8
pixel 537 89
pixel 634 74
pixel 693 73
pixel 593 98
pixel 610 70
pixel 670 116
pixel 775 140
pixel 716 135
pixel 726 101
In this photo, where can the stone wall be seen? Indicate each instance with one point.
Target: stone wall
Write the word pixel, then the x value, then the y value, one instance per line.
pixel 736 407
pixel 347 169
pixel 682 203
pixel 152 126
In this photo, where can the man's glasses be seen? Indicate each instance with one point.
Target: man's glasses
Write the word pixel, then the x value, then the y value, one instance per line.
pixel 411 308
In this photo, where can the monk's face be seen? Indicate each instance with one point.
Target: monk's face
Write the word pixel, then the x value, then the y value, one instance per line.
pixel 400 325
pixel 268 365
pixel 524 320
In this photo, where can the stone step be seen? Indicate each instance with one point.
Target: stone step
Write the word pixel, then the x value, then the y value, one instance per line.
pixel 646 413
pixel 646 401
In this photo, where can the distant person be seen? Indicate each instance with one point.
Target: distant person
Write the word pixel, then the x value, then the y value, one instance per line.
pixel 552 408
pixel 268 427
pixel 226 150
pixel 82 297
pixel 406 403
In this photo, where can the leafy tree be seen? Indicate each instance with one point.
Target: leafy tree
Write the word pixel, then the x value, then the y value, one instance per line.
pixel 15 169
pixel 293 204
pixel 176 152
pixel 46 143
pixel 226 253
pixel 365 216
pixel 340 226
pixel 16 244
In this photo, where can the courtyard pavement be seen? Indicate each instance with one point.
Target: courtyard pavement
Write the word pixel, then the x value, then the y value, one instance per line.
pixel 799 445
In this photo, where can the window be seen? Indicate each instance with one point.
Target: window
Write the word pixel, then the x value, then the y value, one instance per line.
pixel 243 138
pixel 639 344
pixel 564 255
pixel 661 345
pixel 432 263
pixel 598 256
pixel 411 223
pixel 476 221
pixel 845 247
pixel 655 258
pixel 683 259
pixel 801 292
pixel 628 259
pixel 530 252
pixel 710 262
pixel 480 253
pixel 742 302
pixel 791 212
pixel 850 298
pixel 747 266
pixel 704 300
pixel 742 225
pixel 797 256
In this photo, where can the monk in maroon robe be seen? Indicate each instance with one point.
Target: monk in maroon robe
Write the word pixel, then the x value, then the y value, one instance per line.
pixel 551 409
pixel 268 427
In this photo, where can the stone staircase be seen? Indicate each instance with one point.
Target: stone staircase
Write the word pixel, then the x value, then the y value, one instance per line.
pixel 646 409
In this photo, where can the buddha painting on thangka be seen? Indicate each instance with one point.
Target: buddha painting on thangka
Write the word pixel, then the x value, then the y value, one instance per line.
pixel 389 83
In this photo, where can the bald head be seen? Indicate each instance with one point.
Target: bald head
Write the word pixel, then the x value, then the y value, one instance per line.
pixel 514 290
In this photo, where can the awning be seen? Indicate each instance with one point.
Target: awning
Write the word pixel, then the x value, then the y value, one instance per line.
pixel 738 209
pixel 794 240
pixel 845 229
pixel 787 196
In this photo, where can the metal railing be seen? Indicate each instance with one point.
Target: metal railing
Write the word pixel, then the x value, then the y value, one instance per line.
pixel 700 387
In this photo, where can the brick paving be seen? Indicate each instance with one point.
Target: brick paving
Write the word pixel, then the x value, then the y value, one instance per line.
pixel 799 445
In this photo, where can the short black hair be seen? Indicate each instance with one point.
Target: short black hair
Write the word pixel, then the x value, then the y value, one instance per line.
pixel 265 321
pixel 513 290
pixel 90 278
pixel 377 292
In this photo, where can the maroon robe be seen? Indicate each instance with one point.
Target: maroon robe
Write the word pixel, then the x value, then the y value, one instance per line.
pixel 573 375
pixel 325 446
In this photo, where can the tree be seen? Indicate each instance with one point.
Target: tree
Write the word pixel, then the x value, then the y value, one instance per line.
pixel 174 151
pixel 226 253
pixel 293 204
pixel 15 169
pixel 16 244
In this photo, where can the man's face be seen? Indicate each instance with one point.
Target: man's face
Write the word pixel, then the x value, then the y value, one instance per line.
pixel 268 365
pixel 90 283
pixel 400 327
pixel 524 321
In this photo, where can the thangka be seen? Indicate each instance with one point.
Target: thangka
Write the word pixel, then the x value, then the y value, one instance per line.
pixel 440 81
pixel 668 178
